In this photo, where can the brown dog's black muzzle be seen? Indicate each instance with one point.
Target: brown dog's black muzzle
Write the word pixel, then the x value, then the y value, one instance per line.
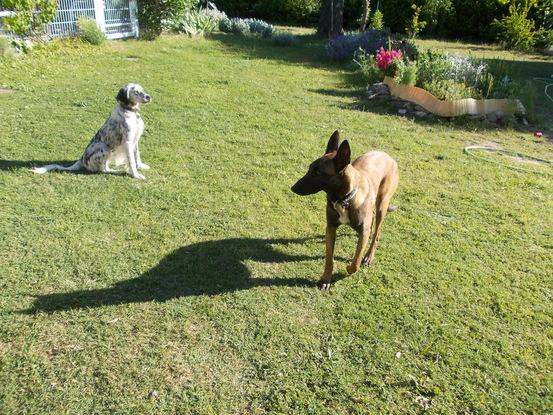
pixel 306 186
pixel 296 189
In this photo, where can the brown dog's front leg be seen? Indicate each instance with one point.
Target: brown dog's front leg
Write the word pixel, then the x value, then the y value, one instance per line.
pixel 364 235
pixel 324 284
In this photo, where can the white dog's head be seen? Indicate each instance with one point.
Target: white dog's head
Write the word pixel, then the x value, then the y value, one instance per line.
pixel 131 95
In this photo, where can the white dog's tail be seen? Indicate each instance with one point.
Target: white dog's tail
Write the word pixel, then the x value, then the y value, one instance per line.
pixel 45 169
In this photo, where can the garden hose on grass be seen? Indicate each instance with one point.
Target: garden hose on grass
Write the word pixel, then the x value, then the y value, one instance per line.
pixel 548 83
pixel 468 151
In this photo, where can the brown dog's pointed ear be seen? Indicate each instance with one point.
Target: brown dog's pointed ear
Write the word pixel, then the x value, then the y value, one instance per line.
pixel 123 96
pixel 333 143
pixel 343 156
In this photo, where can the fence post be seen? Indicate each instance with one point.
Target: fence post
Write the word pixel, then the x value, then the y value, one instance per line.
pixel 99 14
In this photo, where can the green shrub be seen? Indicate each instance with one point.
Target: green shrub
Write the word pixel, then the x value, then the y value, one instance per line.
pixel 89 32
pixel 487 83
pixel 6 48
pixel 289 11
pixel 397 13
pixel 544 38
pixel 244 26
pixel 194 23
pixel 406 73
pixel 293 11
pixel 415 25
pixel 438 15
pixel 448 89
pixel 260 27
pixel 29 15
pixel 153 13
pixel 239 26
pixel 408 49
pixel 432 65
pixel 367 66
pixel 377 21
pixel 516 30
pixel 225 25
pixel 468 19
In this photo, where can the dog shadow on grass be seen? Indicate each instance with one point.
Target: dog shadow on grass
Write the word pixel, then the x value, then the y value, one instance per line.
pixel 204 268
pixel 30 164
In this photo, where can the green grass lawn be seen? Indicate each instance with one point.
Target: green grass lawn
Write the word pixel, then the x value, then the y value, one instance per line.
pixel 200 282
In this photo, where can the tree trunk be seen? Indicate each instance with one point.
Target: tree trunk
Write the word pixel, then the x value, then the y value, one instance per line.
pixel 331 18
pixel 365 15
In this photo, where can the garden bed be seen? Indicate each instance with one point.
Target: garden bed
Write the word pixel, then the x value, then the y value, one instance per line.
pixel 452 108
pixel 409 103
pixel 444 85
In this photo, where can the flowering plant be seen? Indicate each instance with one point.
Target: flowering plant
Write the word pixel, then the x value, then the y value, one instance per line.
pixel 384 58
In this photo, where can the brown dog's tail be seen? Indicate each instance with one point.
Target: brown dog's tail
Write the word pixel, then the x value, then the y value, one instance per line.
pixel 392 208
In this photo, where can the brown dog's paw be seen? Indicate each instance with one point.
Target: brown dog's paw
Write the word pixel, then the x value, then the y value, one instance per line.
pixel 324 285
pixel 366 261
pixel 351 269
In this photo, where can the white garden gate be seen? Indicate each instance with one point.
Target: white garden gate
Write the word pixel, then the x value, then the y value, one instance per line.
pixel 116 18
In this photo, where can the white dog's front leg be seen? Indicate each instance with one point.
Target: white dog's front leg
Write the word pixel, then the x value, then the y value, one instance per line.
pixel 139 164
pixel 130 148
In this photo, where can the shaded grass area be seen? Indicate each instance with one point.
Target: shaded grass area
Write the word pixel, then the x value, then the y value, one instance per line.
pixel 199 282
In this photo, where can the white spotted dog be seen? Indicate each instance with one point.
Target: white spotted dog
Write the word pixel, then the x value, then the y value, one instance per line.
pixel 117 140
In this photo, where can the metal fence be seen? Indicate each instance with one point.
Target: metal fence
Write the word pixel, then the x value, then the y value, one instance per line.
pixel 116 18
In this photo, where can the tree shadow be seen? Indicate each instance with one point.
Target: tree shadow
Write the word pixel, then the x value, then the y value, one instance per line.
pixel 204 268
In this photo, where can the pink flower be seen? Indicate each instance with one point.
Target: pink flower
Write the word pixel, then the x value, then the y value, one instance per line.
pixel 385 58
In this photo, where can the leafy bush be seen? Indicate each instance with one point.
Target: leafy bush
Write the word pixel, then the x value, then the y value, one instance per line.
pixel 441 66
pixel 284 39
pixel 304 12
pixel 438 15
pixel 516 30
pixel 377 21
pixel 239 26
pixel 344 46
pixel 267 32
pixel 415 25
pixel 407 48
pixel 89 31
pixel 466 70
pixel 406 72
pixel 194 23
pixel 245 26
pixel 432 65
pixel 544 38
pixel 29 15
pixel 225 25
pixel 6 48
pixel 448 89
pixel 468 19
pixel 367 65
pixel 154 14
pixel 260 27
pixel 214 13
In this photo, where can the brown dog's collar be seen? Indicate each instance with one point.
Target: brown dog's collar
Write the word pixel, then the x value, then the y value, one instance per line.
pixel 346 200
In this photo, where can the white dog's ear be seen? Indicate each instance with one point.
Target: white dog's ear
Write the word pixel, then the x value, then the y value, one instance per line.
pixel 123 96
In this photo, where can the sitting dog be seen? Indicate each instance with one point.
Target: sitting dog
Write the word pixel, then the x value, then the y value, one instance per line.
pixel 353 192
pixel 117 140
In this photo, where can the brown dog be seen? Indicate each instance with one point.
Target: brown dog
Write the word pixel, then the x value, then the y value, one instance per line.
pixel 353 192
